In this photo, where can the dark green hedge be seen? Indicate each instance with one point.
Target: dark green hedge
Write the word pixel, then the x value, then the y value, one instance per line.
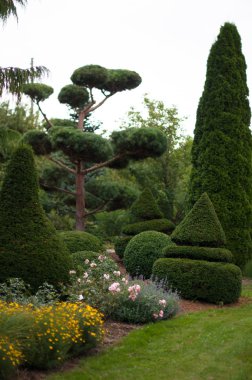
pixel 161 225
pixel 199 253
pixel 142 251
pixel 121 244
pixel 207 281
pixel 80 241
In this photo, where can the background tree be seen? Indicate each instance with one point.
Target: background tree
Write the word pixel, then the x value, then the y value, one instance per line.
pixel 13 78
pixel 163 175
pixel 81 153
pixel 221 152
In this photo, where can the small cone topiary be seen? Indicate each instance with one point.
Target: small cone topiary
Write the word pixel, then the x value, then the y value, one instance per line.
pixel 201 226
pixel 145 207
pixel 29 245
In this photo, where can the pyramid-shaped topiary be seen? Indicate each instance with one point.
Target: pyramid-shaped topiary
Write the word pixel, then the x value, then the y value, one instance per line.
pixel 145 207
pixel 199 267
pixel 29 245
pixel 200 226
pixel 146 216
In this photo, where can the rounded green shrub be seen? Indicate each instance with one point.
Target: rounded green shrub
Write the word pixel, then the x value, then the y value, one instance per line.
pixel 161 225
pixel 30 248
pixel 142 251
pixel 121 244
pixel 202 280
pixel 80 241
pixel 199 253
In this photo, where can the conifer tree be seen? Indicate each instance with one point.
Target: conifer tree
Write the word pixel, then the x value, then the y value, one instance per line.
pixel 29 245
pixel 221 153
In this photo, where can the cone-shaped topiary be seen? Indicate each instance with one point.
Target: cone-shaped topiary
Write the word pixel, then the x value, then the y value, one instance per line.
pixel 200 226
pixel 145 207
pixel 201 269
pixel 29 245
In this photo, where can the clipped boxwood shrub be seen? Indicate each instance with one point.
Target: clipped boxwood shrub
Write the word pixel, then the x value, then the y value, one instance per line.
pixel 200 226
pixel 81 241
pixel 142 251
pixel 121 244
pixel 161 225
pixel 199 253
pixel 208 281
pixel 80 257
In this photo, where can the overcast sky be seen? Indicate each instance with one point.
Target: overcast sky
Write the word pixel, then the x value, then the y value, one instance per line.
pixel 166 41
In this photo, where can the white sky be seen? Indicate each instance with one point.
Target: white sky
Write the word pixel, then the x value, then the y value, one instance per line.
pixel 166 41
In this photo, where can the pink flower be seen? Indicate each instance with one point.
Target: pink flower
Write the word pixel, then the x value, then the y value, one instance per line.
pixel 155 316
pixel 162 302
pixel 161 314
pixel 115 287
pixel 134 290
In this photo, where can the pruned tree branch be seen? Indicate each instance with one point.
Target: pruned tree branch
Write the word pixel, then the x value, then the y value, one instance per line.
pixel 61 164
pixel 102 164
pixel 55 188
pixel 44 116
pixel 98 209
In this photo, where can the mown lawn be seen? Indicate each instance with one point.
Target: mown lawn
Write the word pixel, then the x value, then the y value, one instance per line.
pixel 210 345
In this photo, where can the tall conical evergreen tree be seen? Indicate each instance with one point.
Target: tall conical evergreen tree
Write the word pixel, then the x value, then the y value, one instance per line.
pixel 221 153
pixel 29 245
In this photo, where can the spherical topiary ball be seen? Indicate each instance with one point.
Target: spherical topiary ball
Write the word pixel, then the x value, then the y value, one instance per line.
pixel 143 250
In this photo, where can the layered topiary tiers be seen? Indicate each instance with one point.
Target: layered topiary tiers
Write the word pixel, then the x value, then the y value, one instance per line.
pixel 199 267
pixel 146 216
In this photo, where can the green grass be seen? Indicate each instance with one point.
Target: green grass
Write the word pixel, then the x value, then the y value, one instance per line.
pixel 210 345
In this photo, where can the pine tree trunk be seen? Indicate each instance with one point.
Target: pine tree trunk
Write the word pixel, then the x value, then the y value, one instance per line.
pixel 80 198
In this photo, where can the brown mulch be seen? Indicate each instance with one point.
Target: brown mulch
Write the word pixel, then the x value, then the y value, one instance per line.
pixel 115 331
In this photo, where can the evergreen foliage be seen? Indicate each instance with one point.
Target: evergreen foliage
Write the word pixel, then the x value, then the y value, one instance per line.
pixel 200 226
pixel 201 269
pixel 197 279
pixel 145 207
pixel 221 152
pixel 38 92
pixel 80 241
pixel 29 246
pixel 74 96
pixel 77 145
pixel 143 250
pixel 199 253
pixel 161 225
